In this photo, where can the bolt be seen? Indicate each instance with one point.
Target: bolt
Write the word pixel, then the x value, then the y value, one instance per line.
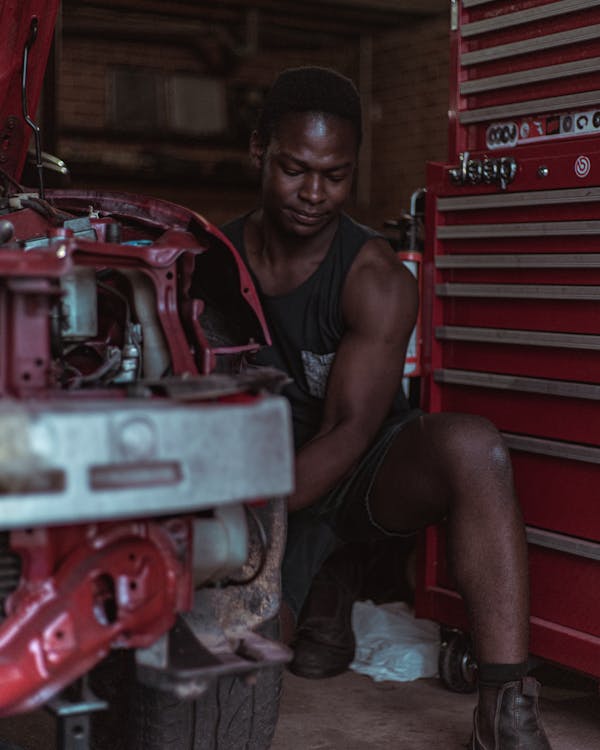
pixel 543 171
pixel 137 438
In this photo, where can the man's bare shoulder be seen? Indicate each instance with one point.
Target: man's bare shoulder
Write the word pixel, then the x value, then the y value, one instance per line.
pixel 380 275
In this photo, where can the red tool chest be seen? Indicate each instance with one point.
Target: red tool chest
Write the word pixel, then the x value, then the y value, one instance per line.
pixel 511 294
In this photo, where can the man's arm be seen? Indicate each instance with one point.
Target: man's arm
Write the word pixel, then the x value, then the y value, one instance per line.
pixel 379 306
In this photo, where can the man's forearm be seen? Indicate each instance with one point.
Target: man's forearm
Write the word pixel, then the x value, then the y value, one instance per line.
pixel 323 462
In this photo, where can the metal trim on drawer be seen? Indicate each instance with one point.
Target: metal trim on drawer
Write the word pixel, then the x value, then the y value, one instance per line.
pixel 513 336
pixel 473 3
pixel 528 15
pixel 554 448
pixel 520 260
pixel 519 291
pixel 515 109
pixel 518 229
pixel 531 75
pixel 562 543
pixel 509 200
pixel 543 386
pixel 535 44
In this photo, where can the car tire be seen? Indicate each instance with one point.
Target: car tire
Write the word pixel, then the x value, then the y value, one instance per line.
pixel 233 713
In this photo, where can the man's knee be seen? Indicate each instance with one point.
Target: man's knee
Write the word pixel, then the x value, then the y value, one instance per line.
pixel 474 451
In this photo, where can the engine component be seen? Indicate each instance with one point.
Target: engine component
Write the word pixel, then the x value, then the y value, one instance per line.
pixel 116 309
pixel 155 357
pixel 79 319
pixel 220 544
pixel 83 590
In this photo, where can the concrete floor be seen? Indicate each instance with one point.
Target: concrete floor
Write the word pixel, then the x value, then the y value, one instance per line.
pixel 351 712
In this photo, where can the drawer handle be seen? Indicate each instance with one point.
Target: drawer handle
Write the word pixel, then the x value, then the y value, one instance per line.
pixel 570 544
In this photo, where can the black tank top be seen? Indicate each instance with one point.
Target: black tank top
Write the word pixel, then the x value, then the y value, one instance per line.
pixel 306 325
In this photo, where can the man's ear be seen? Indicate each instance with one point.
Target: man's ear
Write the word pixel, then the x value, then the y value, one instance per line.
pixel 257 150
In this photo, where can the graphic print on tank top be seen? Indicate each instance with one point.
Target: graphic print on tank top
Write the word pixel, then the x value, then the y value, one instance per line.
pixel 316 371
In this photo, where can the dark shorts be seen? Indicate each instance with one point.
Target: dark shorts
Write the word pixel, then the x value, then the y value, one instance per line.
pixel 342 515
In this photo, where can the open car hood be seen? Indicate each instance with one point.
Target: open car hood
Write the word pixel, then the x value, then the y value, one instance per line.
pixel 26 31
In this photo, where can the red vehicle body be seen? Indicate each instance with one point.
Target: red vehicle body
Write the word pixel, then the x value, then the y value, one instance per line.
pixel 142 464
pixel 512 291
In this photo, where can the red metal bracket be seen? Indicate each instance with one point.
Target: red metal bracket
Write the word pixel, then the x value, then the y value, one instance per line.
pixel 85 589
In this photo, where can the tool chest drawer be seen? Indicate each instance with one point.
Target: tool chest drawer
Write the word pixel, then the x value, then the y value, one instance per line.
pixel 511 325
pixel 565 579
pixel 511 295
pixel 556 489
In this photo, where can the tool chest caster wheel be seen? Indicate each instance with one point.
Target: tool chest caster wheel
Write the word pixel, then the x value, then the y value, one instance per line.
pixel 456 664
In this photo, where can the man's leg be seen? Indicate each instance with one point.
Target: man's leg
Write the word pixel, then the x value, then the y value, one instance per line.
pixel 309 542
pixel 456 467
pixel 381 571
pixel 324 642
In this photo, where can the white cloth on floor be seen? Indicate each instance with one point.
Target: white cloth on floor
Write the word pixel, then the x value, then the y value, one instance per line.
pixel 392 644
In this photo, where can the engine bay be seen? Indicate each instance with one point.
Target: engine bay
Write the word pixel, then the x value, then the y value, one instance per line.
pixel 101 291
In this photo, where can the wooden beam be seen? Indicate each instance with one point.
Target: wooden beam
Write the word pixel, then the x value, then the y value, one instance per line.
pixel 344 16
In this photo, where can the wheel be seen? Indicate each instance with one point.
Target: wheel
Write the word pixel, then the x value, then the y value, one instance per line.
pixel 456 665
pixel 233 713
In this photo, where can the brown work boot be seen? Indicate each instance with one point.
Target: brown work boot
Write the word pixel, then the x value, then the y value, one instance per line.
pixel 513 718
pixel 324 642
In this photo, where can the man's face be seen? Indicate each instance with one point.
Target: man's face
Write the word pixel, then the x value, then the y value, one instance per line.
pixel 307 171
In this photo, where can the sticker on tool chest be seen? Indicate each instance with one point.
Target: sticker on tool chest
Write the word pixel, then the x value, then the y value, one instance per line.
pixel 543 128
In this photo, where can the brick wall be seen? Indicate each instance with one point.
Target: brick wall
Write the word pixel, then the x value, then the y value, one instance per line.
pixel 409 113
pixel 408 116
pixel 101 161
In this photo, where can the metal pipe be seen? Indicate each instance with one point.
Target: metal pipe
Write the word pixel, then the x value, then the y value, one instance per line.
pixel 33 30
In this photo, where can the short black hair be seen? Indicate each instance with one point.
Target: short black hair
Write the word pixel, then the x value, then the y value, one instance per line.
pixel 309 89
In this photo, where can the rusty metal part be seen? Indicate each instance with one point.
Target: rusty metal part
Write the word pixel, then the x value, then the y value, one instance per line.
pixel 185 662
pixel 218 635
pixel 236 609
pixel 218 385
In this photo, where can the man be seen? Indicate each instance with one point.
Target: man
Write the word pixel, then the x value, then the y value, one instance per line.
pixel 341 308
